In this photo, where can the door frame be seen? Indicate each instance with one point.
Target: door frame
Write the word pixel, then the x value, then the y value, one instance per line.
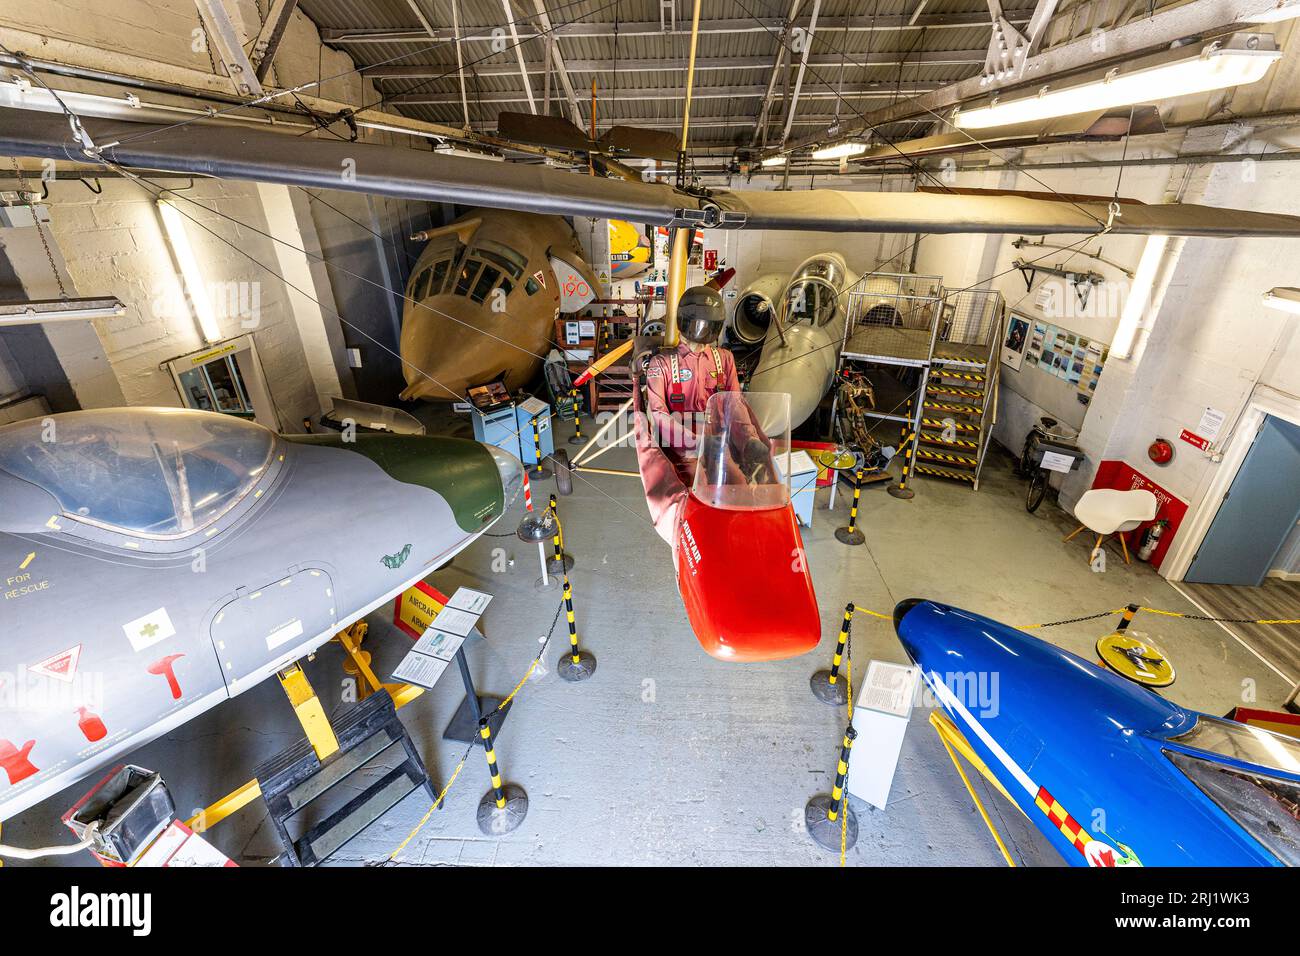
pixel 1264 402
pixel 254 381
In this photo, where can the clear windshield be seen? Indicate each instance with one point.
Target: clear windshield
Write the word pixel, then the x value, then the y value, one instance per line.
pixel 1266 804
pixel 157 472
pixel 814 291
pixel 1243 742
pixel 743 434
pixel 812 302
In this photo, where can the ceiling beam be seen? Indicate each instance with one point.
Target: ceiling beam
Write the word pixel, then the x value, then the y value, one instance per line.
pixel 869 91
pixel 358 36
pixel 805 47
pixel 759 137
pixel 393 71
pixel 268 38
pixel 221 33
pixel 561 68
pixel 429 30
pixel 519 54
pixel 676 123
pixel 1195 18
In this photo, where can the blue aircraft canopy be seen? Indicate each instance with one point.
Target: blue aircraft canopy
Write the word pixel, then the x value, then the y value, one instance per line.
pixel 153 472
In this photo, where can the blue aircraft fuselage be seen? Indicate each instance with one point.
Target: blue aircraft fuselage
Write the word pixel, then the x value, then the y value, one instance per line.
pixel 1084 753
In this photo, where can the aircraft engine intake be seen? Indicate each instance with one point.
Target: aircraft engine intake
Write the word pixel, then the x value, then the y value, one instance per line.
pixel 754 309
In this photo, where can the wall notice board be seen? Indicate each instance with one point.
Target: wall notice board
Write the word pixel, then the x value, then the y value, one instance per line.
pixel 1056 369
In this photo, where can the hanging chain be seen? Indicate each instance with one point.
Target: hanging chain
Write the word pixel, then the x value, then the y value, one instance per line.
pixel 40 230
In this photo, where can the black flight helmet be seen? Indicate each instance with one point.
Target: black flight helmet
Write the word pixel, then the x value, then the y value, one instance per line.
pixel 701 315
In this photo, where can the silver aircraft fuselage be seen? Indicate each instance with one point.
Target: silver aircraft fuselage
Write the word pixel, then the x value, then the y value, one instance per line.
pixel 157 561
pixel 805 329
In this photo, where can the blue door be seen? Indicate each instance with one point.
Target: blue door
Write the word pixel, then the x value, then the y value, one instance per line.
pixel 1261 508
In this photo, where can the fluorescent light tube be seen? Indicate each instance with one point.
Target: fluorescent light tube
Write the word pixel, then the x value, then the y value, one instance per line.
pixel 32 311
pixel 1284 299
pixel 1238 60
pixel 1138 302
pixel 840 151
pixel 1283 11
pixel 174 224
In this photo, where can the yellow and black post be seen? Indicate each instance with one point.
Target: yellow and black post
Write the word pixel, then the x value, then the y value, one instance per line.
pixel 576 665
pixel 851 534
pixel 561 561
pixel 901 490
pixel 822 814
pixel 576 438
pixel 503 807
pixel 538 471
pixel 827 685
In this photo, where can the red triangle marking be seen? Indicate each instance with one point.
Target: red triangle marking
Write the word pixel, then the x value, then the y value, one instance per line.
pixel 62 666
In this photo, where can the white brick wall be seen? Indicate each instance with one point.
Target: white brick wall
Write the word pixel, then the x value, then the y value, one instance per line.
pixel 114 243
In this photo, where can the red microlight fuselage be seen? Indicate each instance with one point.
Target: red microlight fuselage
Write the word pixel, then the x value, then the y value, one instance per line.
pixel 744 580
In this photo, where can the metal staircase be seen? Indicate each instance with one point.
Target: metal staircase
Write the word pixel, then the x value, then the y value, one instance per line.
pixel 959 407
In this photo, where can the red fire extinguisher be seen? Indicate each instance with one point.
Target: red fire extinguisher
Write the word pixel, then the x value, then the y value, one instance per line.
pixel 1151 540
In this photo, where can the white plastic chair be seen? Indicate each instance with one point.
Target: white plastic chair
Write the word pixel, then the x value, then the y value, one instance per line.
pixel 1105 511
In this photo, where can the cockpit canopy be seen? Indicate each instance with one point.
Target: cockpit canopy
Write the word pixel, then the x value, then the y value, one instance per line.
pixel 743 435
pixel 149 472
pixel 813 296
pixel 1251 773
pixel 472 272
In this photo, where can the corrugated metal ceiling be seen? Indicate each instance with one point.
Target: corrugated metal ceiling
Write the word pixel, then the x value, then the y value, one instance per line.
pixel 639 73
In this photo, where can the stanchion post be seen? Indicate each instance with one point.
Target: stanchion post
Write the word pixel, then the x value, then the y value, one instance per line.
pixel 826 685
pixel 576 665
pixel 851 534
pixel 503 807
pixel 539 471
pixel 822 814
pixel 576 438
pixel 901 490
pixel 562 561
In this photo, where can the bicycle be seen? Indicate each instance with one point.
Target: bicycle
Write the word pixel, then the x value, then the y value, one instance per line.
pixel 1049 447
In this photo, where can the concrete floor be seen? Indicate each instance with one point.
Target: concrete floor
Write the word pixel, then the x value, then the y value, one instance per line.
pixel 670 757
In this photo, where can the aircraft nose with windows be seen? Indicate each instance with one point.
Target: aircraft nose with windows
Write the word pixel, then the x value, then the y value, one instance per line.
pixel 483 298
pixel 194 546
pixel 801 344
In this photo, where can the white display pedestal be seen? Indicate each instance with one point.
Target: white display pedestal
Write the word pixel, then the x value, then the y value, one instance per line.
pixel 880 715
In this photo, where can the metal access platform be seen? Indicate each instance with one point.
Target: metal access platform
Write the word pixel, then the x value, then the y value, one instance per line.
pixel 934 351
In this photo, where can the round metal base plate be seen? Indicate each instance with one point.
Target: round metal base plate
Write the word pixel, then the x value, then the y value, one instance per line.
pixel 497 821
pixel 904 493
pixel 827 832
pixel 553 564
pixel 537 526
pixel 567 670
pixel 827 692
pixel 539 474
pixel 1137 660
pixel 551 583
pixel 578 439
pixel 845 536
